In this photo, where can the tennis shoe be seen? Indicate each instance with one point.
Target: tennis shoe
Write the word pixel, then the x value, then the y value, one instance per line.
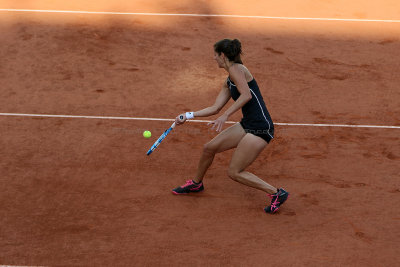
pixel 189 187
pixel 277 200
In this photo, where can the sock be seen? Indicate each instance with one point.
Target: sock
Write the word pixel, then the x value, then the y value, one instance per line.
pixel 195 182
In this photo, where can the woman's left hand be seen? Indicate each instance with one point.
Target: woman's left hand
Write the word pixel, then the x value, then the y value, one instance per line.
pixel 218 123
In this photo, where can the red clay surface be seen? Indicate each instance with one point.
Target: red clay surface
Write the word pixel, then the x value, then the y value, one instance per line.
pixel 83 192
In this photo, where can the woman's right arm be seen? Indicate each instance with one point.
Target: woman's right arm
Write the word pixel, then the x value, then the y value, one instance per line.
pixel 222 98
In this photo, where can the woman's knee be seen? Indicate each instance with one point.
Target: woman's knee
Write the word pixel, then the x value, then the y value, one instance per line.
pixel 209 148
pixel 233 173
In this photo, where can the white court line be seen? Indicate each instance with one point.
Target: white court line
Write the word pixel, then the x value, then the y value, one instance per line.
pixel 203 121
pixel 192 15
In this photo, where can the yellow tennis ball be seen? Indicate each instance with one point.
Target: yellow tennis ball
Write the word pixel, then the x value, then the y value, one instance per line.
pixel 147 134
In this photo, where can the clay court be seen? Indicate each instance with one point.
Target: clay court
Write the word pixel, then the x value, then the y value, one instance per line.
pixel 79 88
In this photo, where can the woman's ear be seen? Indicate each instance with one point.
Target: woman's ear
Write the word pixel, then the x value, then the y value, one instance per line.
pixel 223 56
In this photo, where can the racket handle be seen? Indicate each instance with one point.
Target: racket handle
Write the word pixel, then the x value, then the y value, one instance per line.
pixel 181 117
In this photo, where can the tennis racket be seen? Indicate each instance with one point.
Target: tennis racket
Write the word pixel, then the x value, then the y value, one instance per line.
pixel 162 137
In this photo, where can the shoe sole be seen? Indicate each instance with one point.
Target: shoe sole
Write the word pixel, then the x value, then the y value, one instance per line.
pixel 176 193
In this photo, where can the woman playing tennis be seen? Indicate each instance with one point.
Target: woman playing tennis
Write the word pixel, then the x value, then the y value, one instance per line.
pixel 249 137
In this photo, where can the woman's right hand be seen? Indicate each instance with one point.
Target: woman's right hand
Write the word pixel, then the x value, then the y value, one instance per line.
pixel 180 119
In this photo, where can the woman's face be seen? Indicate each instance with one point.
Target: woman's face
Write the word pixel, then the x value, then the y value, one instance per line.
pixel 220 59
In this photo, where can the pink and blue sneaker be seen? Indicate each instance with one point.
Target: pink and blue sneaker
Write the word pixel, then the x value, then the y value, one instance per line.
pixel 277 200
pixel 189 187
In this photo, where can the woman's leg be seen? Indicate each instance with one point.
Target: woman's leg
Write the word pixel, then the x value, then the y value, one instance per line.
pixel 246 152
pixel 227 139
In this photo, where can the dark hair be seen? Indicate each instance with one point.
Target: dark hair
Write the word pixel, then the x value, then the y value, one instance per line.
pixel 231 48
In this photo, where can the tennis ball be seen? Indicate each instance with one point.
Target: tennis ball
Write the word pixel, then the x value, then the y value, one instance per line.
pixel 147 134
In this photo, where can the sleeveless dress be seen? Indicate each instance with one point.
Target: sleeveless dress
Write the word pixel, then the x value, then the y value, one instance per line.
pixel 256 118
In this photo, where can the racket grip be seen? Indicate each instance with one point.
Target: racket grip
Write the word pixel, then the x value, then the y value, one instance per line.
pixel 181 117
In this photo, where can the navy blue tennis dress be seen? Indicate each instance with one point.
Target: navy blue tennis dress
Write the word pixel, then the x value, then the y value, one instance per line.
pixel 256 119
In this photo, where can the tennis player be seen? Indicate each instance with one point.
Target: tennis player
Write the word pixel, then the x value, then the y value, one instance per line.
pixel 249 137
